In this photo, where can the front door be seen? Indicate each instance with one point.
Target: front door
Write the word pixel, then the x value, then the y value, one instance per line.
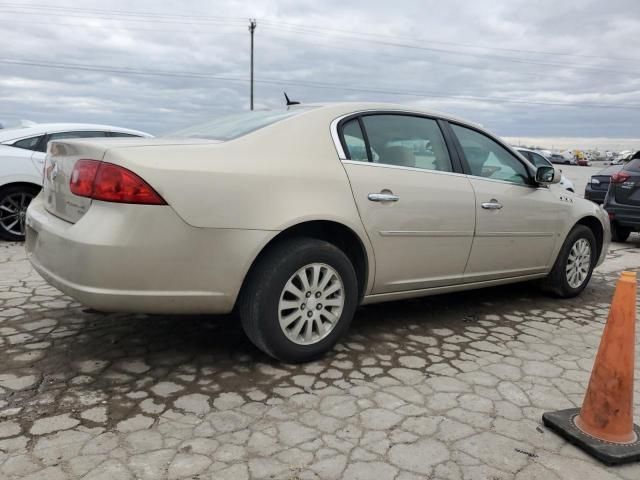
pixel 419 213
pixel 516 220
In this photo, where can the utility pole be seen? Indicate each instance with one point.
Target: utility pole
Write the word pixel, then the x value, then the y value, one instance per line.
pixel 252 28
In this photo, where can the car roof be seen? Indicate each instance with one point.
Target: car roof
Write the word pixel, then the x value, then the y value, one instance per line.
pixel 356 107
pixel 42 128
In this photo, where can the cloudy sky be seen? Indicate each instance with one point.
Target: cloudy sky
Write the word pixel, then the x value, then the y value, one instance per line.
pixel 555 72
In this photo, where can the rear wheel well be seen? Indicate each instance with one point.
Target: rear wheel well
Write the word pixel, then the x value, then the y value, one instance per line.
pixel 593 224
pixel 332 232
pixel 20 184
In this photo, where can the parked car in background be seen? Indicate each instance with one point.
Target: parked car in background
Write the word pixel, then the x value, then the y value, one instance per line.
pixel 583 161
pixel 284 216
pixel 540 160
pixel 622 202
pixel 22 153
pixel 598 184
pixel 558 158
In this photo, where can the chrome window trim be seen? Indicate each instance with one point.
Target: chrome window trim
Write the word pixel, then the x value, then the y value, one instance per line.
pixel 507 182
pixel 335 135
pixel 399 167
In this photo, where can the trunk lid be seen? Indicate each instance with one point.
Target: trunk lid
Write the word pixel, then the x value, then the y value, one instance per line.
pixel 59 162
pixel 601 180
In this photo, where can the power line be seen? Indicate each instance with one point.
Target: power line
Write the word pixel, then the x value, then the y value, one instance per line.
pixel 319 85
pixel 296 28
pixel 113 12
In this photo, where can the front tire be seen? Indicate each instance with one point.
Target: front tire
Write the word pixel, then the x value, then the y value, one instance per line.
pixel 575 263
pixel 299 299
pixel 620 234
pixel 14 201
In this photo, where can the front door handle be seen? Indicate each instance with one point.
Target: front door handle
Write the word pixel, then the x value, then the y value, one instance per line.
pixel 492 205
pixel 383 197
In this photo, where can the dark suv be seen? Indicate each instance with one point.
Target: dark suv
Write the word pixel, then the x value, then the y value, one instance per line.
pixel 623 200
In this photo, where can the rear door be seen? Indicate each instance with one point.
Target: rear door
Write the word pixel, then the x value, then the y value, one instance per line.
pixel 627 187
pixel 516 220
pixel 417 209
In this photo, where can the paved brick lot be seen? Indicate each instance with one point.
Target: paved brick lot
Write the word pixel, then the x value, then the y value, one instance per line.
pixel 447 387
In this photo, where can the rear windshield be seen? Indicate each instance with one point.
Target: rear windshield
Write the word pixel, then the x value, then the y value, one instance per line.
pixel 233 126
pixel 633 165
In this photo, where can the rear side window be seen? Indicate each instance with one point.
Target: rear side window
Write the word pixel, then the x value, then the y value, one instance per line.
pixel 407 141
pixel 354 141
pixel 27 143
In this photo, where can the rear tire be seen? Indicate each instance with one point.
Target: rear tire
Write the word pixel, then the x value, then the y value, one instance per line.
pixel 14 200
pixel 289 320
pixel 620 234
pixel 575 263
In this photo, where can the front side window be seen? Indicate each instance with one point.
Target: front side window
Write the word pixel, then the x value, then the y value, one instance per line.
pixel 27 143
pixel 489 159
pixel 407 141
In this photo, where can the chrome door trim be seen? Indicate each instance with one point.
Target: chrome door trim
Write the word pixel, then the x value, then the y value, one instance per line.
pixel 399 167
pixel 537 187
pixel 424 233
pixel 516 234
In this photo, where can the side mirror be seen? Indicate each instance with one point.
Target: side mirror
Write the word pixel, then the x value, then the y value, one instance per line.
pixel 547 175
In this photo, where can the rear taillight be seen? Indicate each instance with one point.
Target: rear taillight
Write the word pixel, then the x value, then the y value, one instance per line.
pixel 620 177
pixel 111 183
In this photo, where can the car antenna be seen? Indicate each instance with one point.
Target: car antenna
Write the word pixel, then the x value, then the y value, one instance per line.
pixel 289 102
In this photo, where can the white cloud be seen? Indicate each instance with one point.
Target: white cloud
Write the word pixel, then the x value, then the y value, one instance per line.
pixel 475 52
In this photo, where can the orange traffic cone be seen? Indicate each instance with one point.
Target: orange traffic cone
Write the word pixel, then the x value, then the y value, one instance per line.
pixel 604 427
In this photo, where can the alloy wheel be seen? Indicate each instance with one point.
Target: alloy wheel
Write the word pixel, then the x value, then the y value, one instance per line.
pixel 311 303
pixel 578 263
pixel 13 212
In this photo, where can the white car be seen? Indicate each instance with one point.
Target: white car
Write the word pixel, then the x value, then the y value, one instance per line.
pixel 540 160
pixel 294 217
pixel 22 152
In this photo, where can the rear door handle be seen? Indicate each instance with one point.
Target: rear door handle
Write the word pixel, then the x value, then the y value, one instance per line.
pixel 492 205
pixel 383 197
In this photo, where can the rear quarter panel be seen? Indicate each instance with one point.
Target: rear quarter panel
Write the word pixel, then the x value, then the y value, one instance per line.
pixel 279 176
pixel 267 180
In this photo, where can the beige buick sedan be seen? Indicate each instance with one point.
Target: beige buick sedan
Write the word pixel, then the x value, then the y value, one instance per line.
pixel 295 217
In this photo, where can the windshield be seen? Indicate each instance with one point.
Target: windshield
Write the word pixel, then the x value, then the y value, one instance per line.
pixel 233 126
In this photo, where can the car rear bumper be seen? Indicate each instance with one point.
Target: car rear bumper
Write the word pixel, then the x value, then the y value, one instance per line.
pixel 623 215
pixel 141 258
pixel 596 196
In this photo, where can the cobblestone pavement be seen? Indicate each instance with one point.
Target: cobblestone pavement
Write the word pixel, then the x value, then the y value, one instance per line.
pixel 446 387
